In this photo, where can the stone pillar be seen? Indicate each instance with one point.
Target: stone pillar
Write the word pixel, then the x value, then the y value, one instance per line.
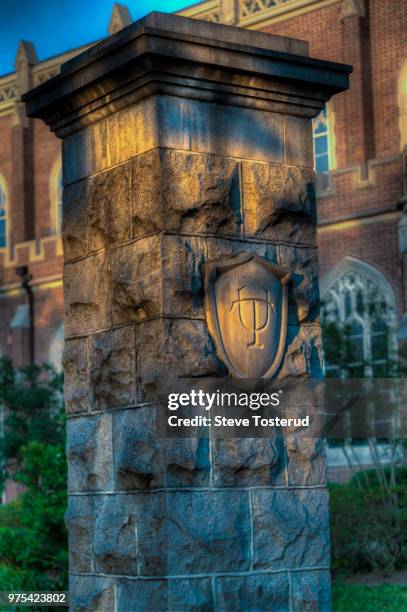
pixel 184 141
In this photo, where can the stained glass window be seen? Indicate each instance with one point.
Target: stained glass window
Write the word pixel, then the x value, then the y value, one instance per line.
pixel 322 161
pixel 358 308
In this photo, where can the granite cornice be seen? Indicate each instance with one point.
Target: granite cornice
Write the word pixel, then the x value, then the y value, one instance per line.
pixel 145 60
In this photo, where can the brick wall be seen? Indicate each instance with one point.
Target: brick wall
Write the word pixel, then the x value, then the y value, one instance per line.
pixel 48 149
pixel 366 120
pixel 43 254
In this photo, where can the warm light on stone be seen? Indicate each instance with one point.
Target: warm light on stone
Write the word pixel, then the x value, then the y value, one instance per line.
pixel 185 142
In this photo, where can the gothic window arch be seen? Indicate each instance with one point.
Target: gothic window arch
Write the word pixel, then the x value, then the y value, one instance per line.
pixel 324 147
pixel 56 195
pixel 4 213
pixel 358 304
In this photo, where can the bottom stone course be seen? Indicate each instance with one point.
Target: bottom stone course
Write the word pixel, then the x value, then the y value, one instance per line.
pixel 261 592
pixel 305 591
pixel 311 591
pixel 88 593
pixel 194 594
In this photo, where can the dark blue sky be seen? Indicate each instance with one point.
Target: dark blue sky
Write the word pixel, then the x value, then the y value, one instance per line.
pixel 55 26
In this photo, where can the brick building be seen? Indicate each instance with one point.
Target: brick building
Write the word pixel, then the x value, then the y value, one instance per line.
pixel 360 152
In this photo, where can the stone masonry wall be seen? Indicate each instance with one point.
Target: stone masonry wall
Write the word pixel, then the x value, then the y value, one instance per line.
pixel 151 193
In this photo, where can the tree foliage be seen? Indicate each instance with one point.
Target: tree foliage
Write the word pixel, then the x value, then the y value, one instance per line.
pixel 369 527
pixel 33 547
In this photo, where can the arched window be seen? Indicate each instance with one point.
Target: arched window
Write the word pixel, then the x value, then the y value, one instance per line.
pixel 402 99
pixel 56 195
pixel 358 313
pixel 3 213
pixel 323 135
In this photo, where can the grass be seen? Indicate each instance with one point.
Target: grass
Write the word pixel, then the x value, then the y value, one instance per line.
pixel 361 598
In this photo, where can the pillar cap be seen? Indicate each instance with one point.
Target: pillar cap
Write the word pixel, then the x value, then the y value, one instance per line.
pixel 178 56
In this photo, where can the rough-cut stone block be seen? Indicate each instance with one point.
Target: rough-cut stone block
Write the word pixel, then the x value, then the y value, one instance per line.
pixel 120 137
pixel 163 275
pixel 304 287
pixel 193 595
pixel 223 130
pixel 248 462
pixel 112 361
pixel 136 451
pixel 189 532
pixel 91 593
pixel 306 461
pixel 221 247
pixel 132 131
pixel 115 534
pixel 144 461
pixel 87 295
pixel 89 453
pixel 257 593
pixel 279 202
pixel 173 117
pixel 78 521
pixel 85 152
pixel 179 191
pixel 291 528
pixel 173 348
pixel 149 595
pixel 76 375
pixel 303 356
pixel 186 462
pixel 74 226
pixel 146 202
pixel 136 280
pixel 109 207
pixel 298 142
pixel 158 275
pixel 311 591
pixel 182 276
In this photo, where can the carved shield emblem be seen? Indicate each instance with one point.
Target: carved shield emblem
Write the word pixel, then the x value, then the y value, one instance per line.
pixel 246 310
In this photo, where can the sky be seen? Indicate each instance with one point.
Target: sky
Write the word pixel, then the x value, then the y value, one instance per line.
pixel 54 26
